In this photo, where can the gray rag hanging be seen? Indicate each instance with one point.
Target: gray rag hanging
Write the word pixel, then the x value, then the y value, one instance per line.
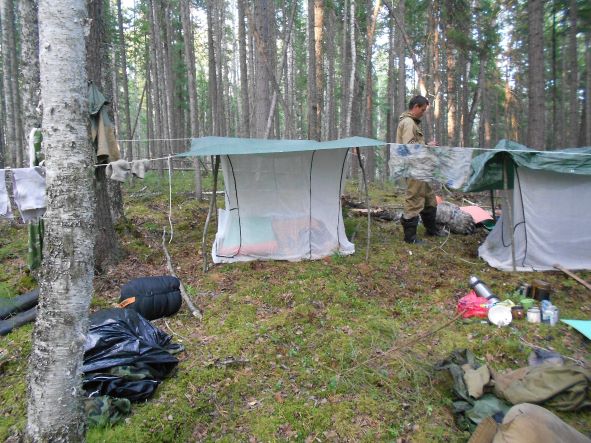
pixel 5 209
pixel 118 170
pixel 29 192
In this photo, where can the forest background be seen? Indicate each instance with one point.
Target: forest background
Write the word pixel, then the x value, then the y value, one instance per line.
pixel 284 69
pixel 318 69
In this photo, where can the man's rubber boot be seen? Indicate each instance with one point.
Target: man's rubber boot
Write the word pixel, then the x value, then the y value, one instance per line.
pixel 428 215
pixel 410 230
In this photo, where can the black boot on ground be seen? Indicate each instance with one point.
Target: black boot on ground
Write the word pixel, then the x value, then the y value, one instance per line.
pixel 428 215
pixel 410 229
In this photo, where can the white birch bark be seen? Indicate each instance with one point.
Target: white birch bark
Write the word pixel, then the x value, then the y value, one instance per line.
pixel 55 411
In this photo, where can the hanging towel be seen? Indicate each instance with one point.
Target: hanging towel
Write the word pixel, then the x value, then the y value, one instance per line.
pixel 139 167
pixel 29 192
pixel 5 210
pixel 119 170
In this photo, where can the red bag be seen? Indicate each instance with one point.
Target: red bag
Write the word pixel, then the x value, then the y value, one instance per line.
pixel 471 305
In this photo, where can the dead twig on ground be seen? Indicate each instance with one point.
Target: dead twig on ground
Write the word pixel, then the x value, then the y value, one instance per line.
pixel 194 310
pixel 574 276
pixel 531 345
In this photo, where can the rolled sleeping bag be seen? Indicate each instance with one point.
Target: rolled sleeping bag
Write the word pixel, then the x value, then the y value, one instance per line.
pixel 20 303
pixel 152 297
pixel 6 326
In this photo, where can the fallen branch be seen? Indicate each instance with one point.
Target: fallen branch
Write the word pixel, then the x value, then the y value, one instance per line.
pixel 570 274
pixel 397 347
pixel 194 310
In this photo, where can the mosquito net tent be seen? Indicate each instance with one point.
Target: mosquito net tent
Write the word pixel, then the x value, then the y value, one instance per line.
pixel 546 207
pixel 282 197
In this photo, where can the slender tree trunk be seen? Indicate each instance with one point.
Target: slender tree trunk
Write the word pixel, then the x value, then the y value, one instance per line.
pixel 572 77
pixel 29 65
pixel 345 68
pixel 212 81
pixel 312 93
pixel 588 90
pixel 263 22
pixel 14 137
pixel 369 129
pixel 319 63
pixel 66 284
pixel 401 89
pixel 351 86
pixel 107 249
pixel 554 138
pixel 124 80
pixel 331 116
pixel 191 86
pixel 536 108
pixel 244 96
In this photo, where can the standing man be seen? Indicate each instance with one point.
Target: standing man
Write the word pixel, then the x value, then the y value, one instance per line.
pixel 420 198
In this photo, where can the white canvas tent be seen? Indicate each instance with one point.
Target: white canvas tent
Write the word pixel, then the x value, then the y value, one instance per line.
pixel 546 220
pixel 282 197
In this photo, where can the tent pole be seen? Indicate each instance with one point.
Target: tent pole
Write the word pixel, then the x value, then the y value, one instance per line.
pixel 509 209
pixel 366 203
pixel 212 201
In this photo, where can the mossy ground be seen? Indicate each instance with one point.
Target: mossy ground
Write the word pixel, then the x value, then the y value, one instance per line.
pixel 330 350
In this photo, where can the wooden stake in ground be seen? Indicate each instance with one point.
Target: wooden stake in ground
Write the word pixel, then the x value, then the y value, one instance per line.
pixel 194 310
pixel 366 186
pixel 570 274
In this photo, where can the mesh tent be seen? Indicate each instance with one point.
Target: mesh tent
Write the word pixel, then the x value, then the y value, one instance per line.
pixel 282 197
pixel 546 220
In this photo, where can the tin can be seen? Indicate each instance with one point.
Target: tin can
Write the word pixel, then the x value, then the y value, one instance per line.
pixel 534 315
pixel 551 315
pixel 518 312
pixel 546 311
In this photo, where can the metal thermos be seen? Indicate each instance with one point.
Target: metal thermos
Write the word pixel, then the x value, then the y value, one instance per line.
pixel 482 290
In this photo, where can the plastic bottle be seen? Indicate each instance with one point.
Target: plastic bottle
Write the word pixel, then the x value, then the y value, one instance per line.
pixel 482 290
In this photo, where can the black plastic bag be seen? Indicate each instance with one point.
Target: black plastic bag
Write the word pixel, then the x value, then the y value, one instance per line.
pixel 122 337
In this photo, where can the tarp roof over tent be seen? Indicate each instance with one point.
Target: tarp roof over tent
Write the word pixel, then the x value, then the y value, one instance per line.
pixel 550 202
pixel 282 198
pixel 238 146
pixel 488 167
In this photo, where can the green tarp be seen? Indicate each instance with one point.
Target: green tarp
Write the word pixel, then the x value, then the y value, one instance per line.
pixel 487 168
pixel 234 146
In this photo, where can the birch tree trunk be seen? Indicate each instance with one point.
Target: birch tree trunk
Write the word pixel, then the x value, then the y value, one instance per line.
pixel 55 411
pixel 536 105
pixel 29 65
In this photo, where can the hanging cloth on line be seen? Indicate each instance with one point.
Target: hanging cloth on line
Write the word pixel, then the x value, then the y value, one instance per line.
pixel 29 192
pixel 450 166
